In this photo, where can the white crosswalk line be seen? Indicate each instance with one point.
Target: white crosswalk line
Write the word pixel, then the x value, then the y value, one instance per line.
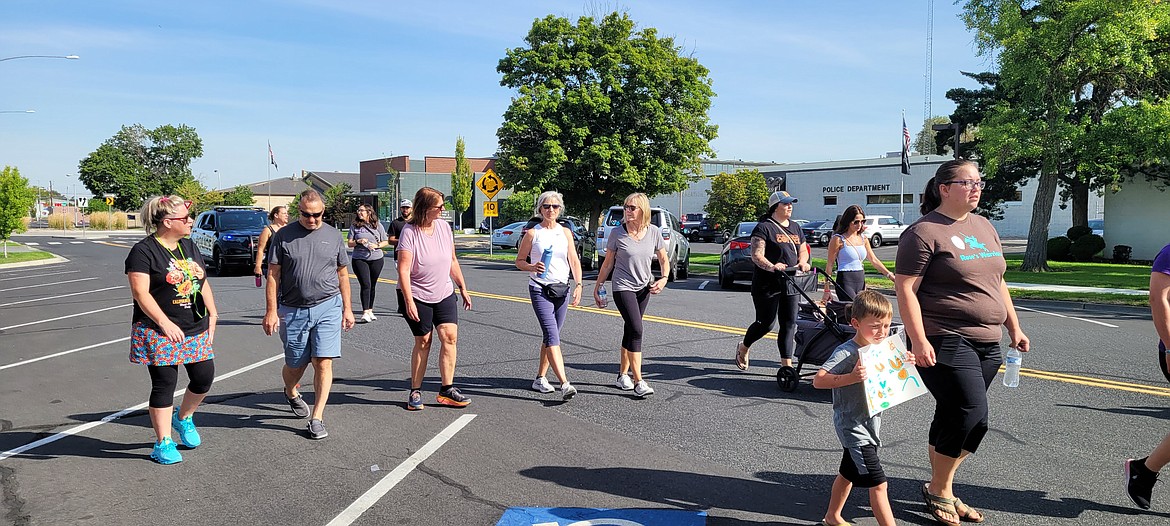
pixel 54 242
pixel 76 242
pixel 32 244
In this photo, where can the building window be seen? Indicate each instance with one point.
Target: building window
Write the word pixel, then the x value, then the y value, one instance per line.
pixel 888 199
pixel 1017 196
pixel 830 200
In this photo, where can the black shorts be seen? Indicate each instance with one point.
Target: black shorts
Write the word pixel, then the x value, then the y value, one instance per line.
pixel 432 314
pixel 861 466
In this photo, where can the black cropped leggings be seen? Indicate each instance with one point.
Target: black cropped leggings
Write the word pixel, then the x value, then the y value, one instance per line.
pixel 367 271
pixel 632 305
pixel 164 378
pixel 958 381
pixel 769 309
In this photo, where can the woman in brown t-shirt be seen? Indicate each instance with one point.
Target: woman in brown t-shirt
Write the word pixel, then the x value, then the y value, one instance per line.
pixel 953 300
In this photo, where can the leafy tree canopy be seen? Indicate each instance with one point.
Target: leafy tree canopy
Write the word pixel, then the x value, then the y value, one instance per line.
pixel 602 109
pixel 460 182
pixel 138 162
pixel 337 203
pixel 736 197
pixel 16 198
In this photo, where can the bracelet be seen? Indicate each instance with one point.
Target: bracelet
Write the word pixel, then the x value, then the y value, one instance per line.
pixel 578 286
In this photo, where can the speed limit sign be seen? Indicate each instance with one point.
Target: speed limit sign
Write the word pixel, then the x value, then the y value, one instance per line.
pixel 491 209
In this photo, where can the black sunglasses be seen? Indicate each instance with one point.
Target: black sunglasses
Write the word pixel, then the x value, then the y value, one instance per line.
pixel 312 216
pixel 550 207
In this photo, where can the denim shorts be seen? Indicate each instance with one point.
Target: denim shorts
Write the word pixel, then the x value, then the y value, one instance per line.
pixel 311 332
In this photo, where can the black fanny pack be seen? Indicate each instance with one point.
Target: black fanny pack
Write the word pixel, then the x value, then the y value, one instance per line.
pixel 554 291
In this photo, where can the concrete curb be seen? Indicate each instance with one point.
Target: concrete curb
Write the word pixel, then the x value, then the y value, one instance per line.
pixel 37 263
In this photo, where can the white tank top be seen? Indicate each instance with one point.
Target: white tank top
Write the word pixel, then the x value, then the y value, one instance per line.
pixel 558 267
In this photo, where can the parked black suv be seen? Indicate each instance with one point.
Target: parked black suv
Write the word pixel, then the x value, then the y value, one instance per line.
pixel 227 235
pixel 583 239
pixel 709 232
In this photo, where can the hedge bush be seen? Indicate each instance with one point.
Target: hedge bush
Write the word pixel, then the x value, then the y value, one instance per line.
pixel 1085 247
pixel 1077 232
pixel 1058 248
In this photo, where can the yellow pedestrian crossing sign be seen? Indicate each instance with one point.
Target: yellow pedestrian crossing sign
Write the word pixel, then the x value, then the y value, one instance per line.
pixel 490 184
pixel 491 209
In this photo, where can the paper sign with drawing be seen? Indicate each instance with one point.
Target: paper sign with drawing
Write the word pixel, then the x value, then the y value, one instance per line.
pixel 889 380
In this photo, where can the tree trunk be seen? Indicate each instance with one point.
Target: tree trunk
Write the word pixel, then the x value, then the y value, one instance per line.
pixel 1036 255
pixel 1080 204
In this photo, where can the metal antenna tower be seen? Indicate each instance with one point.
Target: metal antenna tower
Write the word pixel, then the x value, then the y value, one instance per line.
pixel 926 111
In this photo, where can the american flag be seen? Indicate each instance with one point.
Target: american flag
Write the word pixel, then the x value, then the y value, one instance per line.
pixel 272 158
pixel 905 147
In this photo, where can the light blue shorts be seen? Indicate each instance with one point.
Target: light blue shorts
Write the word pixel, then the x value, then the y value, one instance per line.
pixel 311 332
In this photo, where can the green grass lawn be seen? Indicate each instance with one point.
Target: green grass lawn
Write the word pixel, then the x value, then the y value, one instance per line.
pixel 18 257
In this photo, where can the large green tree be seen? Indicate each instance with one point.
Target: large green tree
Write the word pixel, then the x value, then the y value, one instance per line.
pixel 1068 66
pixel 602 109
pixel 736 197
pixel 460 182
pixel 241 195
pixel 338 203
pixel 16 198
pixel 138 162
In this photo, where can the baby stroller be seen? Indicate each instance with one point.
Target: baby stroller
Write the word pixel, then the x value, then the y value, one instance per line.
pixel 819 329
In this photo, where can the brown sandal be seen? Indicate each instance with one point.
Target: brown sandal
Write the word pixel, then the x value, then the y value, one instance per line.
pixel 939 507
pixel 741 356
pixel 967 513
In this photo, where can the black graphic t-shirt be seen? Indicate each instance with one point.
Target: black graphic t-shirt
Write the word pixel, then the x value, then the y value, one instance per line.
pixel 781 245
pixel 176 282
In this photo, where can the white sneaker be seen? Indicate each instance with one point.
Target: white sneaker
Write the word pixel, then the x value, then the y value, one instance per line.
pixel 372 317
pixel 568 391
pixel 643 389
pixel 541 384
pixel 366 317
pixel 624 382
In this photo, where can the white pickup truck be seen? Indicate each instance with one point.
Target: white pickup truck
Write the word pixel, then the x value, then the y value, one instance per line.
pixel 882 229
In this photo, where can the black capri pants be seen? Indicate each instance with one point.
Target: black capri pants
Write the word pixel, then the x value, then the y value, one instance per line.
pixel 632 306
pixel 958 381
pixel 367 271
pixel 164 378
pixel 849 283
pixel 770 307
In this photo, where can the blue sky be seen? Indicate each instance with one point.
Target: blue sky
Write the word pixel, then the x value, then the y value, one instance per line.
pixel 334 82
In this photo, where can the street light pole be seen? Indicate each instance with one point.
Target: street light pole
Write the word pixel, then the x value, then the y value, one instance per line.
pixel 68 57
pixel 950 126
pixel 18 111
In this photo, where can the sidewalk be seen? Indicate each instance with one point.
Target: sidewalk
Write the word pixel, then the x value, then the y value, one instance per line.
pixel 77 233
pixel 1070 288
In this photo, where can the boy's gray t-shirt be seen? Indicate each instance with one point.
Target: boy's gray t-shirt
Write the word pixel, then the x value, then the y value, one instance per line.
pixel 633 258
pixel 308 261
pixel 850 413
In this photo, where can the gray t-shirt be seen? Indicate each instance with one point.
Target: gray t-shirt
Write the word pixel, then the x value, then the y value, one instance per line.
pixel 850 413
pixel 632 258
pixel 374 234
pixel 308 261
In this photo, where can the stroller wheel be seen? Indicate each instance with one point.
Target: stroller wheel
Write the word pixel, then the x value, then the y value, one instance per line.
pixel 787 379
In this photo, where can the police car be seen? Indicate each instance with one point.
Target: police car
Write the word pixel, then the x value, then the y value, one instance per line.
pixel 228 235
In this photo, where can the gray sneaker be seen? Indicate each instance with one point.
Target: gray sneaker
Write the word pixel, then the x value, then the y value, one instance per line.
pixel 624 382
pixel 643 389
pixel 568 392
pixel 317 429
pixel 298 406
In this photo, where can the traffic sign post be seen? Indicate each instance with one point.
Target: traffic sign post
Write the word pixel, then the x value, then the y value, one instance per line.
pixel 109 201
pixel 490 184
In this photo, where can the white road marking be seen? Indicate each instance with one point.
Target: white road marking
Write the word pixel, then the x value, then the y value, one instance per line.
pixel 379 490
pixel 114 416
pixel 703 285
pixel 62 353
pixel 39 268
pixel 32 244
pixel 64 317
pixel 1069 317
pixel 54 242
pixel 58 296
pixel 42 275
pixel 76 242
pixel 48 284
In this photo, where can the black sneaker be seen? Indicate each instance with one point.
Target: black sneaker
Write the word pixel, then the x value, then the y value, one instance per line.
pixel 298 406
pixel 1139 482
pixel 317 429
pixel 453 398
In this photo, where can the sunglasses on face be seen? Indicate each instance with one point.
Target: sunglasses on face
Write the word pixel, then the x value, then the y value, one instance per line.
pixel 180 218
pixel 311 216
pixel 630 208
pixel 858 221
pixel 550 207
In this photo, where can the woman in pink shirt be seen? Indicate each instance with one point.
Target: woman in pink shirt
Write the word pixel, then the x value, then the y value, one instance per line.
pixel 426 268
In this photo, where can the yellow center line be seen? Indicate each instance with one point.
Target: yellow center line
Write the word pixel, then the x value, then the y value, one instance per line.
pixel 1034 373
pixel 112 244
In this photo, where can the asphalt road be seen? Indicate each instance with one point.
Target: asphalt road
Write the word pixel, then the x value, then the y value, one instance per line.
pixel 712 438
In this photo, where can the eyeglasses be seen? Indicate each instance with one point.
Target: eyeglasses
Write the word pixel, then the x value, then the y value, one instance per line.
pixel 969 184
pixel 550 207
pixel 858 221
pixel 630 208
pixel 440 206
pixel 180 218
pixel 311 216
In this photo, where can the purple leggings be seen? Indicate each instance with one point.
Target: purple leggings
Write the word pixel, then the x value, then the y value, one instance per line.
pixel 550 314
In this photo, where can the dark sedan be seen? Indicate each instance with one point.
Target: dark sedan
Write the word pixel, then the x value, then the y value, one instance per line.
pixel 735 262
pixel 818 232
pixel 583 239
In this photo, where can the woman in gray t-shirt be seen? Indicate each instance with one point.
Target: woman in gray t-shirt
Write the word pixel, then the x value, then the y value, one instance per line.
pixel 629 254
pixel 366 238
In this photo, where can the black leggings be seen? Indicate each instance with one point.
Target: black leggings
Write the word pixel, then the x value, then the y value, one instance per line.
pixel 958 381
pixel 164 378
pixel 769 308
pixel 632 305
pixel 367 271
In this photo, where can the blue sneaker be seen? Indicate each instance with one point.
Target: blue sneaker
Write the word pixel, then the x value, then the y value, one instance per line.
pixel 165 452
pixel 186 429
pixel 414 401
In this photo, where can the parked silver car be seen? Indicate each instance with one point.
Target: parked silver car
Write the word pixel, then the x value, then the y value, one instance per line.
pixel 678 249
pixel 508 236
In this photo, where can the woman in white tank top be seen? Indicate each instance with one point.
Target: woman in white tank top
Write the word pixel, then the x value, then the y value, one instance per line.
pixel 848 250
pixel 547 252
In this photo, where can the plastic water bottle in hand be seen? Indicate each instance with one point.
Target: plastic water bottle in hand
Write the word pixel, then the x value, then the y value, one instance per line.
pixel 546 258
pixel 604 298
pixel 1011 376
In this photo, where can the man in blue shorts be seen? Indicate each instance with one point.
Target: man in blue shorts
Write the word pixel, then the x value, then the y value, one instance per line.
pixel 307 265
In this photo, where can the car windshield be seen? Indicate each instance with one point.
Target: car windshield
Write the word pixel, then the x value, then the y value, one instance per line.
pixel 744 229
pixel 1097 224
pixel 513 226
pixel 253 220
pixel 616 214
pixel 813 224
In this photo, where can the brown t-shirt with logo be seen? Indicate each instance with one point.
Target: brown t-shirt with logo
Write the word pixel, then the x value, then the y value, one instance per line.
pixel 961 265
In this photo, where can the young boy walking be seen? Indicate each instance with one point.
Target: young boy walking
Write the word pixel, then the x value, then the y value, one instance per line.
pixel 844 374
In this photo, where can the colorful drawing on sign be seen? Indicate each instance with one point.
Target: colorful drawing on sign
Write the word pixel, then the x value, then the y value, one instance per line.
pixel 889 380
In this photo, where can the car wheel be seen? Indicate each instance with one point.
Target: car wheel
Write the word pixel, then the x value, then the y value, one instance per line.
pixel 875 240
pixel 825 239
pixel 725 281
pixel 684 267
pixel 221 264
pixel 673 274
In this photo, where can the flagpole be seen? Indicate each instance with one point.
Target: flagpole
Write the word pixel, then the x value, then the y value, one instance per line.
pixel 902 179
pixel 268 176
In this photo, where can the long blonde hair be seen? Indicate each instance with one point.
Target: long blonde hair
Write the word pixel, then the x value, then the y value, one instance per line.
pixel 639 200
pixel 157 208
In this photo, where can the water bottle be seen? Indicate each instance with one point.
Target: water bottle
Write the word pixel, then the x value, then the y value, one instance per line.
pixel 257 280
pixel 604 298
pixel 1011 377
pixel 546 258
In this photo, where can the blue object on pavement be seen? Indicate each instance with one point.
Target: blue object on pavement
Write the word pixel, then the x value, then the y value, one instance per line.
pixel 601 517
